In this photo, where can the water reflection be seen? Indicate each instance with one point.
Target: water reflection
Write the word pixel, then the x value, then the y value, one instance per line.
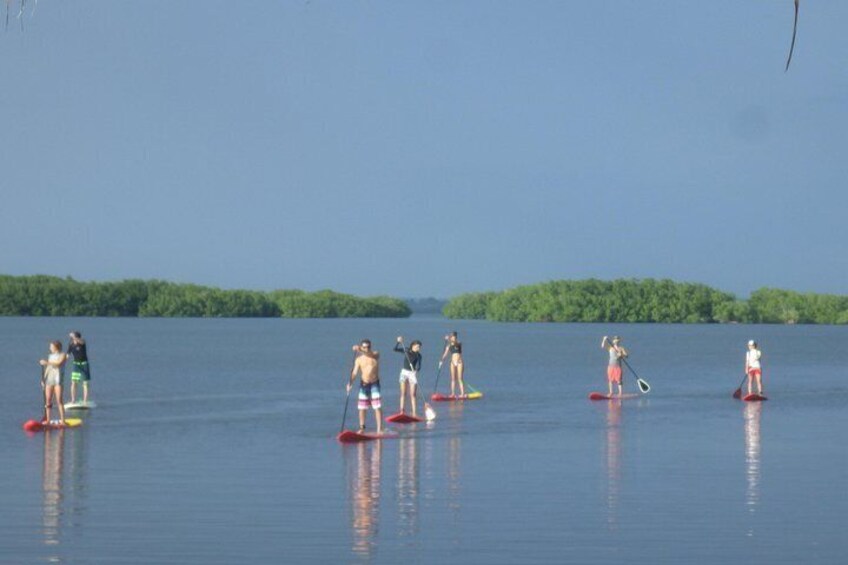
pixel 613 462
pixel 365 497
pixel 408 490
pixel 454 472
pixel 63 488
pixel 52 494
pixel 751 414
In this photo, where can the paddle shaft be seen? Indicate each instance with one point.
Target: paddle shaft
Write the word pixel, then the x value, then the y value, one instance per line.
pixel 44 393
pixel 347 399
pixel 439 373
pixel 738 392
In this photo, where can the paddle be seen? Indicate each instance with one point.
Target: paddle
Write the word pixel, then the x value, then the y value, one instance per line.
pixel 738 392
pixel 347 399
pixel 429 413
pixel 44 393
pixel 644 387
pixel 439 374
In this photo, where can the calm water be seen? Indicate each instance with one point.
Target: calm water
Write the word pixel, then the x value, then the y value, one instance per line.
pixel 213 443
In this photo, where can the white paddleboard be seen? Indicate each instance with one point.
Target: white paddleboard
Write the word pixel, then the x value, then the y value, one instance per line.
pixel 80 405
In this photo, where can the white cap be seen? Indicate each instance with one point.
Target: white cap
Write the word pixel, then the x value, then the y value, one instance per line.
pixel 751 342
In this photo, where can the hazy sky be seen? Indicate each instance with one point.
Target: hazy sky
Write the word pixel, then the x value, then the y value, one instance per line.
pixel 426 148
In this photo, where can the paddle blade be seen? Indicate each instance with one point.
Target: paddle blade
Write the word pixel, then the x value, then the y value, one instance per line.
pixel 737 394
pixel 429 413
pixel 643 386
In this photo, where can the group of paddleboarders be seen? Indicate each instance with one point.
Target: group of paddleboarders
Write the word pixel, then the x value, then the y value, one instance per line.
pixel 617 354
pixel 53 374
pixel 366 367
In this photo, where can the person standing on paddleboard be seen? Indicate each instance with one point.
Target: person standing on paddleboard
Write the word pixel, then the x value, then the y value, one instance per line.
pixel 616 354
pixel 367 366
pixel 53 371
pixel 409 373
pixel 80 370
pixel 753 368
pixel 457 367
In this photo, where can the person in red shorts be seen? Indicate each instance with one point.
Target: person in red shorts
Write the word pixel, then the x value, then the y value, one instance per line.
pixel 616 354
pixel 753 368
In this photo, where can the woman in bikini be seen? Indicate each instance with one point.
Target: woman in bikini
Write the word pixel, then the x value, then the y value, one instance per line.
pixel 454 348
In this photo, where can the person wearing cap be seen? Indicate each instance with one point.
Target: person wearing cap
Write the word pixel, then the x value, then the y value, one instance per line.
pixel 753 368
pixel 616 354
pixel 80 372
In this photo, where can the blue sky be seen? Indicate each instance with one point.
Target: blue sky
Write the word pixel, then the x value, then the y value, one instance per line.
pixel 426 148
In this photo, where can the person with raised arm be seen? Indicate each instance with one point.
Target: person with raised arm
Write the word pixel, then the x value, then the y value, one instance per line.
pixel 453 347
pixel 409 373
pixel 80 372
pixel 617 353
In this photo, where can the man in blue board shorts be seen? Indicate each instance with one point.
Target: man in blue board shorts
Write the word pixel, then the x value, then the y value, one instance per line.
pixel 80 372
pixel 367 366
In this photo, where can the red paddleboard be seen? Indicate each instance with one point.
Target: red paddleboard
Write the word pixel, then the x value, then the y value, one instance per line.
pixel 401 418
pixel 754 398
pixel 350 436
pixel 455 397
pixel 602 396
pixel 39 426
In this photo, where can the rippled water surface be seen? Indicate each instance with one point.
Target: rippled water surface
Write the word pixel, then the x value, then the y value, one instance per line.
pixel 213 443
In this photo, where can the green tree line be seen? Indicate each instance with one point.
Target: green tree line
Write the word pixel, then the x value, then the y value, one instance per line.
pixel 646 300
pixel 42 295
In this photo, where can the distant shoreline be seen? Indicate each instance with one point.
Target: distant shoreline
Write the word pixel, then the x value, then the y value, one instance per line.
pixel 48 296
pixel 646 301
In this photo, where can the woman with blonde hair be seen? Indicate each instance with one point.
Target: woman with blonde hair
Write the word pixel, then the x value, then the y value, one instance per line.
pixel 53 372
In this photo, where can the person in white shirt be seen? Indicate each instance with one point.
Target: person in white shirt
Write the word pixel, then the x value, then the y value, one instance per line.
pixel 753 368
